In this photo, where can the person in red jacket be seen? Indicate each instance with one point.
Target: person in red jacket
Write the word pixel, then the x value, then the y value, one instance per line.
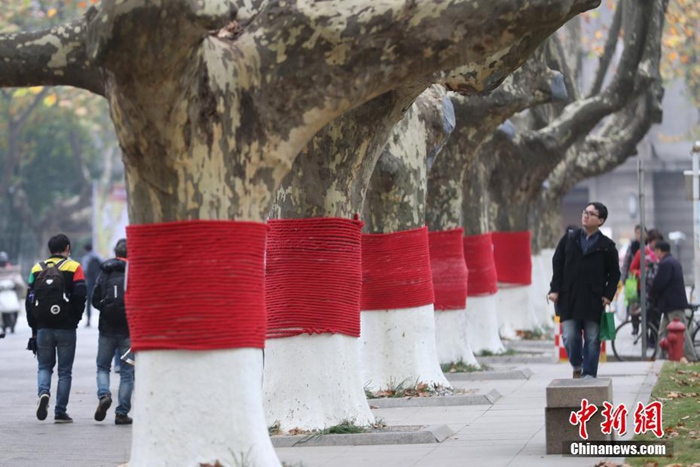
pixel 651 260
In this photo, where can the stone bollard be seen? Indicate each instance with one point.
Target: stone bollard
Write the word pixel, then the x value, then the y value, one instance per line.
pixel 563 397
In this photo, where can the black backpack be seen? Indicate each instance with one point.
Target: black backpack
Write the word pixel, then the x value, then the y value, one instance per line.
pixel 111 305
pixel 50 304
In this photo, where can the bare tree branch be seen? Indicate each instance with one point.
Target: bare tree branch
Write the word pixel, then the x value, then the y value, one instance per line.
pixel 582 116
pixel 608 50
pixel 601 154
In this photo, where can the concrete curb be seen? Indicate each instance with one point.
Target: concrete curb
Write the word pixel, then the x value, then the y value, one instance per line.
pixel 436 401
pixel 520 359
pixel 644 394
pixel 523 373
pixel 421 435
pixel 530 345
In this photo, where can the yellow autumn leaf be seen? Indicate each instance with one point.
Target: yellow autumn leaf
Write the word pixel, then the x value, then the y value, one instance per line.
pixel 51 13
pixel 36 89
pixel 673 41
pixel 598 35
pixel 50 100
pixel 673 56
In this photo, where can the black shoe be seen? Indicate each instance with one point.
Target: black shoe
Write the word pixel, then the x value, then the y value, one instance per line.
pixel 577 374
pixel 62 418
pixel 101 412
pixel 121 419
pixel 42 406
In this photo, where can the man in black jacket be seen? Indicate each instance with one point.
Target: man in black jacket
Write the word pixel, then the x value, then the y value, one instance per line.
pixel 668 292
pixel 108 297
pixel 584 281
pixel 54 330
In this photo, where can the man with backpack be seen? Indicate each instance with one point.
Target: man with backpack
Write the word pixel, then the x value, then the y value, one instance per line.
pixel 55 304
pixel 108 297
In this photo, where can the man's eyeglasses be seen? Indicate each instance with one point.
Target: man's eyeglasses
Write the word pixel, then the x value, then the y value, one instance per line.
pixel 589 213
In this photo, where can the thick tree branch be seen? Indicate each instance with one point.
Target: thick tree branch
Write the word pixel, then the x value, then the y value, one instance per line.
pixel 401 42
pixel 127 31
pixel 618 141
pixel 558 54
pixel 608 50
pixel 477 117
pixel 50 57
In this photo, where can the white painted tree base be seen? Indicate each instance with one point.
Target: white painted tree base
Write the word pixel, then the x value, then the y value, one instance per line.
pixel 482 324
pixel 452 338
pixel 399 346
pixel 515 310
pixel 314 382
pixel 541 277
pixel 199 407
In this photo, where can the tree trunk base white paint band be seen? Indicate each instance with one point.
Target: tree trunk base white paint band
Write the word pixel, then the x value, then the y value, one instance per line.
pixel 199 407
pixel 515 310
pixel 399 346
pixel 482 324
pixel 541 277
pixel 452 338
pixel 314 382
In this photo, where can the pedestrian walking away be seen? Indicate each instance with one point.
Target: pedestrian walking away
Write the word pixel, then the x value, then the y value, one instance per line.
pixel 108 297
pixel 584 280
pixel 54 305
pixel 91 262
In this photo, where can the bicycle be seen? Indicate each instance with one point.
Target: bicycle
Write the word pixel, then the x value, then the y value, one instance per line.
pixel 628 346
pixel 694 325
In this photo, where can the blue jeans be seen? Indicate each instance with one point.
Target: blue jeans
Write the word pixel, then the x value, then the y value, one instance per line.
pixel 106 347
pixel 582 355
pixel 49 343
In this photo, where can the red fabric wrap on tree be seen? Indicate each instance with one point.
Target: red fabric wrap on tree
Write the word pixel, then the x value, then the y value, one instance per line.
pixel 478 253
pixel 196 285
pixel 396 270
pixel 449 269
pixel 314 277
pixel 513 255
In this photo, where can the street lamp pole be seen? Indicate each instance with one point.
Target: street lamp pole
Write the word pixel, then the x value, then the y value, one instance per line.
pixel 695 154
pixel 642 253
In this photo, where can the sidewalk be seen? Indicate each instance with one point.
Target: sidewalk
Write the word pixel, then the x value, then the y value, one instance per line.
pixel 508 433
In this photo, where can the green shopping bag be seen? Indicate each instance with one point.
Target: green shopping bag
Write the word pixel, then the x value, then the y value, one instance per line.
pixel 607 326
pixel 631 288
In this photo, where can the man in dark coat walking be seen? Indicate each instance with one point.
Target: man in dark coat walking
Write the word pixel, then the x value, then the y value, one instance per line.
pixel 668 292
pixel 584 281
